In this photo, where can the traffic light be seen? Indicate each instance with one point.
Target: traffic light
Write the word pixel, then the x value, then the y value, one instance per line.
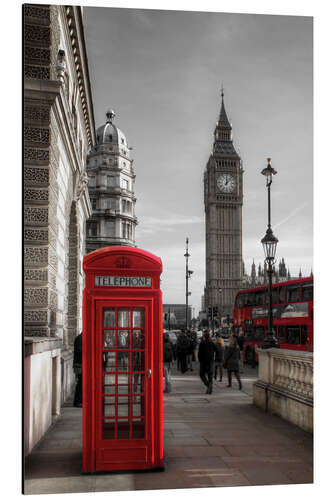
pixel 215 311
pixel 209 312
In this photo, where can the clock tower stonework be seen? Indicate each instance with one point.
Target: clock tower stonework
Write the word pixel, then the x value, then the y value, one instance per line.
pixel 223 184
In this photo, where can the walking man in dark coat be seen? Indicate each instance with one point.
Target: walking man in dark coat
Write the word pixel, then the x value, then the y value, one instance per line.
pixel 183 348
pixel 77 367
pixel 206 358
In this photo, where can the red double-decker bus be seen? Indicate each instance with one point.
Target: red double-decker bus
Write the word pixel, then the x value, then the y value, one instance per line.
pixel 292 303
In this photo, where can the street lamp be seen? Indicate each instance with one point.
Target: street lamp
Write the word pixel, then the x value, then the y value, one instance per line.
pixel 188 274
pixel 220 308
pixel 269 243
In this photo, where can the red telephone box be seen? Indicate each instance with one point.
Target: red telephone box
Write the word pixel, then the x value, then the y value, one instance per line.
pixel 122 360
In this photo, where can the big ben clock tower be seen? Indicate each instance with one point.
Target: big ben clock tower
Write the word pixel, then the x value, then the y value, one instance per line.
pixel 223 182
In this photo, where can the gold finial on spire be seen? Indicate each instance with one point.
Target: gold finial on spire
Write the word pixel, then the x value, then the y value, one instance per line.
pixel 222 90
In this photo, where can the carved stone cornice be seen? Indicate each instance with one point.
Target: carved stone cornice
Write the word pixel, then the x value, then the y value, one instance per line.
pixel 75 27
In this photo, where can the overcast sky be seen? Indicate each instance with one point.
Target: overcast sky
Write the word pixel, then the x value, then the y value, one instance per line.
pixel 161 71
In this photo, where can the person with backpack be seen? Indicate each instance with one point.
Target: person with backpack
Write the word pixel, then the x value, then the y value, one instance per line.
pixel 231 361
pixel 167 361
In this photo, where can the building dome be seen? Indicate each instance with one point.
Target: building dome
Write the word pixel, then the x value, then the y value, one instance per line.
pixel 109 133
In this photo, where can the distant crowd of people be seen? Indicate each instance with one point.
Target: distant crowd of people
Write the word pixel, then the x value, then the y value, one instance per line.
pixel 212 354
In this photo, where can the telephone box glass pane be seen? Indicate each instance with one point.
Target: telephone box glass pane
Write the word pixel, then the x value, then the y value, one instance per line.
pixel 123 384
pixel 138 339
pixel 109 361
pixel 138 318
pixel 108 429
pixel 123 429
pixel 109 339
pixel 123 361
pixel 109 384
pixel 123 318
pixel 123 406
pixel 138 428
pixel 123 339
pixel 138 361
pixel 138 406
pixel 109 404
pixel 109 318
pixel 137 383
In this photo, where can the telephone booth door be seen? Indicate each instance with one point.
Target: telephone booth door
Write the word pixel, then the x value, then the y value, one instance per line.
pixel 123 388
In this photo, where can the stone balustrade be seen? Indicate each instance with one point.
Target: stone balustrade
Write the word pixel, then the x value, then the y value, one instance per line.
pixel 285 385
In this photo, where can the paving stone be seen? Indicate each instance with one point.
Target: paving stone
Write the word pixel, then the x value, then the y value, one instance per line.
pixel 219 441
pixel 76 484
pixel 119 482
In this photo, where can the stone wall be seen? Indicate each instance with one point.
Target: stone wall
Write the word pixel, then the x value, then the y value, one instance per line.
pixel 285 385
pixel 58 132
pixel 42 384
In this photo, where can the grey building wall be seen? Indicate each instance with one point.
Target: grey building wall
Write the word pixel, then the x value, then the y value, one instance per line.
pixel 58 131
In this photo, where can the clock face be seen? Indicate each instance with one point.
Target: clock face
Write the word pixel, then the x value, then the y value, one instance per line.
pixel 226 183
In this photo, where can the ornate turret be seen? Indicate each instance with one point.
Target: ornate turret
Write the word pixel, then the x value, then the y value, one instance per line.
pixel 223 133
pixel 253 273
pixel 111 189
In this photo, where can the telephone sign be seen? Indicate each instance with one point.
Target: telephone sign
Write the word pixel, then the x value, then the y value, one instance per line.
pixel 131 281
pixel 122 360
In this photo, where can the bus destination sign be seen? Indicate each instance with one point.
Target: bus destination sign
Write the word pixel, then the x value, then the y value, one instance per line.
pixel 126 281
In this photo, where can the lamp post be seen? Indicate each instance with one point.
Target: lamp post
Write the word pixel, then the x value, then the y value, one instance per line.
pixel 269 243
pixel 187 276
pixel 220 308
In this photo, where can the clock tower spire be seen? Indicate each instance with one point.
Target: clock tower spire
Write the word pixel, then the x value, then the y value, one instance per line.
pixel 223 183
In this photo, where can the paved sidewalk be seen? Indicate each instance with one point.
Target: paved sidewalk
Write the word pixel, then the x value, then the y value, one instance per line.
pixel 209 440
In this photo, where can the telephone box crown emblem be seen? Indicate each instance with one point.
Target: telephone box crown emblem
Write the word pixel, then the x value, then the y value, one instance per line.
pixel 123 262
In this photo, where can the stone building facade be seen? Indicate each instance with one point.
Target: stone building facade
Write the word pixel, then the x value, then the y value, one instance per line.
pixel 111 189
pixel 223 195
pixel 58 132
pixel 259 275
pixel 174 315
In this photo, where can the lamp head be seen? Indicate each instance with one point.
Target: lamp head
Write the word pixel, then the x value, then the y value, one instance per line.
pixel 269 243
pixel 268 172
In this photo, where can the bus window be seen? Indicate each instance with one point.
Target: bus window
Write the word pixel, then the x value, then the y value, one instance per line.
pixel 282 334
pixel 275 295
pixel 248 333
pixel 240 300
pixel 293 334
pixel 307 291
pixel 293 293
pixel 259 333
pixel 260 298
pixel 249 299
pixel 304 334
pixel 282 294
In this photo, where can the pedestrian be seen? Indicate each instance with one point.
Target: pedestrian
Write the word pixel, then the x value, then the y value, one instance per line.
pixel 167 361
pixel 219 357
pixel 231 361
pixel 240 340
pixel 183 348
pixel 194 343
pixel 77 367
pixel 206 355
pixel 191 350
